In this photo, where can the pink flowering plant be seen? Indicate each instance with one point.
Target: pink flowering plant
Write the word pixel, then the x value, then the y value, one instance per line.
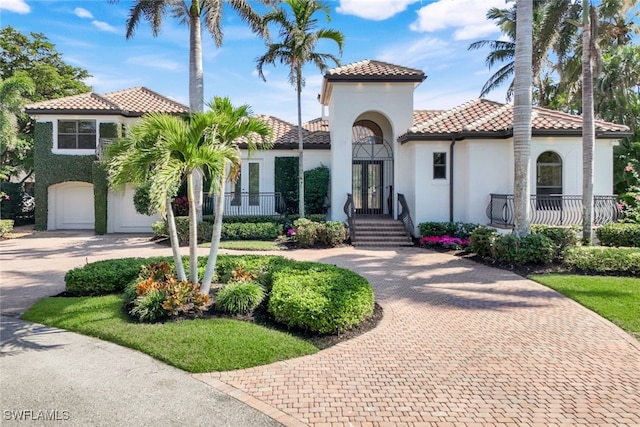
pixel 448 242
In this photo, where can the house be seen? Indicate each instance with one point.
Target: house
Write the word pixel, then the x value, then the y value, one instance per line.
pixel 387 160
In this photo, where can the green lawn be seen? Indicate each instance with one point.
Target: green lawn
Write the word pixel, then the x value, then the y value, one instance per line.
pixel 247 245
pixel 201 345
pixel 614 298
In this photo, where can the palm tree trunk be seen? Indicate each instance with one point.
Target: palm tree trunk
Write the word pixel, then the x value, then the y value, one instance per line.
pixel 215 239
pixel 175 244
pixel 522 117
pixel 196 88
pixel 588 130
pixel 193 232
pixel 300 147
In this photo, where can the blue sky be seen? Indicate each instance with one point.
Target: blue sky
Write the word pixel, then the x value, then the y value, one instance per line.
pixel 431 35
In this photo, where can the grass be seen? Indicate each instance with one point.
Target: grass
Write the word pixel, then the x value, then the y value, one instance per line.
pixel 614 298
pixel 201 345
pixel 247 245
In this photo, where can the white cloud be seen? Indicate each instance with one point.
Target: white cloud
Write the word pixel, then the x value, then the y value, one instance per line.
pixel 82 13
pixel 17 6
pixel 103 26
pixel 416 53
pixel 155 61
pixel 375 10
pixel 467 17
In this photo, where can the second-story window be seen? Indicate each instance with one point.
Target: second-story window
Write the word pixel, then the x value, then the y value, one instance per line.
pixel 77 134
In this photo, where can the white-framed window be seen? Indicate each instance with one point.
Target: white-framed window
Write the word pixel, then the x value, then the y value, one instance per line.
pixel 77 134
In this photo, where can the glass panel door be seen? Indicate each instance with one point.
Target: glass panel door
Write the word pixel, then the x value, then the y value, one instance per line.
pixel 367 186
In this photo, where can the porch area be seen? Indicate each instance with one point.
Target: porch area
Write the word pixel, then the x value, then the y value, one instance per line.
pixel 247 204
pixel 558 210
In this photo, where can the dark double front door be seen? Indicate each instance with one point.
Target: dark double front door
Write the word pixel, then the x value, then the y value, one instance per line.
pixel 368 189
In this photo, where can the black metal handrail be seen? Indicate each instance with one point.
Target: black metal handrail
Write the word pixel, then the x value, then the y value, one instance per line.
pixel 404 215
pixel 350 211
pixel 553 209
pixel 247 204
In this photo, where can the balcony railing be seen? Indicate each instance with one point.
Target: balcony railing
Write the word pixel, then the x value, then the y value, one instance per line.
pixel 102 145
pixel 247 204
pixel 561 210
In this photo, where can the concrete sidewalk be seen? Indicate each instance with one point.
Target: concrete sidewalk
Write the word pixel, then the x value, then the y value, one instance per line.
pixel 460 344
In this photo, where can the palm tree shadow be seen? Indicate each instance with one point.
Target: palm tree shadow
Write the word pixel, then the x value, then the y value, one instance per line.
pixel 17 336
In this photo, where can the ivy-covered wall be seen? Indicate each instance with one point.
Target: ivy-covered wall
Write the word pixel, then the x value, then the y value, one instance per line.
pixel 286 181
pixel 53 169
pixel 100 196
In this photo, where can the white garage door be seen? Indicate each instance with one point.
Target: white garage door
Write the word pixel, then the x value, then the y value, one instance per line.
pixel 71 206
pixel 122 216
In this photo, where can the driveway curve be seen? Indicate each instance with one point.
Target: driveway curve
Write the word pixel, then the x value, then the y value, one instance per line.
pixel 460 344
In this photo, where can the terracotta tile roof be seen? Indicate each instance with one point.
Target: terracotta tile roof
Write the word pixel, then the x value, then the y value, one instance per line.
pixel 377 70
pixel 481 117
pixel 315 133
pixel 129 102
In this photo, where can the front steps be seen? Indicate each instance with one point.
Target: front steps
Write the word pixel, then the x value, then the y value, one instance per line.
pixel 379 231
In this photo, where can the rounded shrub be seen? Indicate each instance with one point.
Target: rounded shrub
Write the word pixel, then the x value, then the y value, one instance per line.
pixel 619 234
pixel 239 298
pixel 603 260
pixel 562 237
pixel 103 277
pixel 481 241
pixel 530 249
pixel 306 232
pixel 319 298
pixel 332 233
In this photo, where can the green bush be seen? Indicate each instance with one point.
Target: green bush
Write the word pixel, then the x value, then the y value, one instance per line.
pixel 230 231
pixel 619 234
pixel 103 277
pixel 319 298
pixel 240 297
pixel 257 264
pixel 461 230
pixel 332 233
pixel 562 237
pixel 481 241
pixel 530 249
pixel 149 306
pixel 6 226
pixel 603 260
pixel 307 232
pixel 316 190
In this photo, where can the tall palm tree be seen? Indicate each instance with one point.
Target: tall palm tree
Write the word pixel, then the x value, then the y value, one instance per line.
pixel 154 11
pixel 165 150
pixel 589 21
pixel 299 39
pixel 233 126
pixel 13 95
pixel 522 117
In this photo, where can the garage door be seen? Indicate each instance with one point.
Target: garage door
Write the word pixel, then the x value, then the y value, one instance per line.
pixel 71 206
pixel 122 216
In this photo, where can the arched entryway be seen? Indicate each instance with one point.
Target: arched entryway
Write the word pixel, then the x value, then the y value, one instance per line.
pixel 372 169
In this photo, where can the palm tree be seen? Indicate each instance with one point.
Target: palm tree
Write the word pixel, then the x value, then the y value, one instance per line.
pixel 234 126
pixel 522 117
pixel 589 51
pixel 297 47
pixel 13 93
pixel 165 150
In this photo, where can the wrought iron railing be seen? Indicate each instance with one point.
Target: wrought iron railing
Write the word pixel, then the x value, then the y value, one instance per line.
pixel 247 204
pixel 404 215
pixel 553 210
pixel 349 210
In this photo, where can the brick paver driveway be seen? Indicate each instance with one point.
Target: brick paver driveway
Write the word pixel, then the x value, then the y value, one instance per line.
pixel 460 344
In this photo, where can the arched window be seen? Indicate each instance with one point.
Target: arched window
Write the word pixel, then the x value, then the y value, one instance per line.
pixel 366 131
pixel 548 174
pixel 549 181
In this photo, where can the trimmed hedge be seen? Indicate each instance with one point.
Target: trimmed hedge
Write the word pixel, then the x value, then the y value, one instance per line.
pixel 309 233
pixel 319 298
pixel 104 277
pixel 509 249
pixel 619 234
pixel 230 231
pixel 603 260
pixel 461 230
pixel 562 237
